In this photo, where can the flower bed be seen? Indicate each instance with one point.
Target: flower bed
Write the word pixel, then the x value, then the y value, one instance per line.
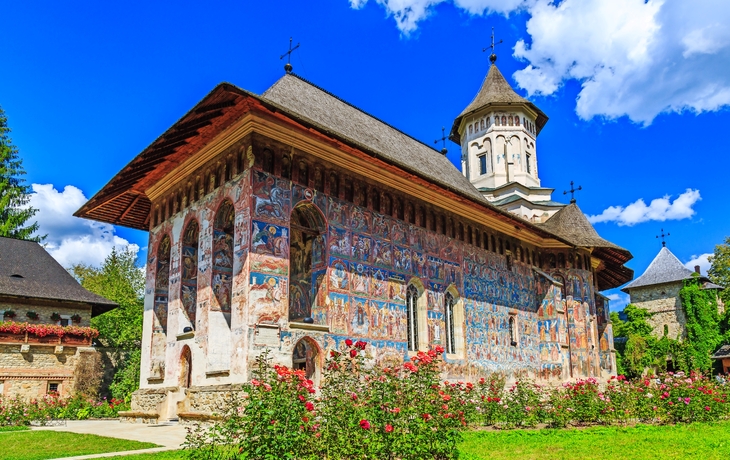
pixel 19 412
pixel 405 411
pixel 11 331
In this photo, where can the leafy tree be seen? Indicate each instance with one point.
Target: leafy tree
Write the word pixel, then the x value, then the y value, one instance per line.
pixel 719 272
pixel 14 194
pixel 121 280
pixel 703 324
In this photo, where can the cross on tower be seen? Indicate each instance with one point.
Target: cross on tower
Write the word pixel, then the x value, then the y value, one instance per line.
pixel 492 56
pixel 287 67
pixel 442 139
pixel 572 192
pixel 664 243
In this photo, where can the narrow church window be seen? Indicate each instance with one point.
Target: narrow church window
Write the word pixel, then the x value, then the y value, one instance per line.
pixel 510 121
pixel 561 260
pixel 286 167
pixel 411 214
pixel 162 285
pixel 307 265
pixel 469 235
pixel 528 161
pixel 460 232
pixel 374 199
pixel 483 124
pixel 524 122
pixel 485 241
pixel 493 247
pixel 517 121
pixel 512 332
pixel 476 126
pixel 268 161
pixel 223 256
pixel 501 247
pixel 412 312
pixel 198 191
pixel 421 217
pixel 186 367
pixel 471 129
pixel 189 279
pixel 504 120
pixel 228 171
pixel 496 120
pixel 449 316
pixel 220 175
pixel 398 208
pixel 483 164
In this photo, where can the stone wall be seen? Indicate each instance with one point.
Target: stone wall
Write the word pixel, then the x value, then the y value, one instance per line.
pixel 27 375
pixel 665 306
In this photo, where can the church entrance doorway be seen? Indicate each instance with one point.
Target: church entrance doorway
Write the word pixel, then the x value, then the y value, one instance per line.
pixel 307 265
pixel 305 357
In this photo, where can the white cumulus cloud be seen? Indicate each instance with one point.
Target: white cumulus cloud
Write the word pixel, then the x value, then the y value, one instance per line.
pixel 69 239
pixel 660 209
pixel 702 260
pixel 634 58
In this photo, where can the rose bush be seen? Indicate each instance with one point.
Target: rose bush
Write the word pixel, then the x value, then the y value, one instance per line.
pixel 405 411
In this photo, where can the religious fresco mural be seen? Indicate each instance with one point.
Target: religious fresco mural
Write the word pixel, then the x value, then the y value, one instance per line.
pixel 222 283
pixel 162 285
pixel 189 275
pixel 309 255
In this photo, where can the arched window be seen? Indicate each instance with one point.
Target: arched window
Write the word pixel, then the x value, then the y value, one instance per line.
pixel 512 331
pixel 483 124
pixel 162 285
pixel 449 316
pixel 471 129
pixel 223 256
pixel 496 120
pixel 186 367
pixel 306 261
pixel 517 121
pixel 189 278
pixel 412 312
pixel 504 120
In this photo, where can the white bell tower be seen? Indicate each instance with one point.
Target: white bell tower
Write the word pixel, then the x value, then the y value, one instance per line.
pixel 497 132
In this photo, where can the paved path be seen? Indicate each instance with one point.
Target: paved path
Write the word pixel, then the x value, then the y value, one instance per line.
pixel 169 436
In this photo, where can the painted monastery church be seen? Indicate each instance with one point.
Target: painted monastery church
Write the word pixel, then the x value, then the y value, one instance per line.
pixel 292 220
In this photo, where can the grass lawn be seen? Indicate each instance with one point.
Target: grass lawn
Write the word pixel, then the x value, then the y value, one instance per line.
pixel 701 441
pixel 4 429
pixel 168 455
pixel 41 445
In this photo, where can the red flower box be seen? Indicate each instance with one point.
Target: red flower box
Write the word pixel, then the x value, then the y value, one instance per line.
pixel 9 337
pixel 75 340
pixel 48 339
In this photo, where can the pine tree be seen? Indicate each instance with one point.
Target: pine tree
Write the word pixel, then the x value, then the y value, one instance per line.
pixel 14 194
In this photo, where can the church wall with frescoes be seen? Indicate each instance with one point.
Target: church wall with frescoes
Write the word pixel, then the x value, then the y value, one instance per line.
pixel 291 249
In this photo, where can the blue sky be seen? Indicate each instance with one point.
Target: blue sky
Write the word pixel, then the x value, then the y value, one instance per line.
pixel 636 92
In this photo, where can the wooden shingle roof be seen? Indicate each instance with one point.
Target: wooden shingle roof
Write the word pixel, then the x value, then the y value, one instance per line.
pixel 27 270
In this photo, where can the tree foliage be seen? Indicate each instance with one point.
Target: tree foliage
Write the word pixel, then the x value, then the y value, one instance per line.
pixel 719 272
pixel 14 193
pixel 703 331
pixel 641 349
pixel 121 280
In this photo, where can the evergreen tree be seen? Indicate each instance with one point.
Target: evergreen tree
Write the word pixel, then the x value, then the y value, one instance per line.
pixel 14 194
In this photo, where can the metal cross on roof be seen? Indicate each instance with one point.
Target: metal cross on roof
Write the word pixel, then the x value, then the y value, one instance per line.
pixel 442 139
pixel 572 191
pixel 492 56
pixel 287 67
pixel 664 243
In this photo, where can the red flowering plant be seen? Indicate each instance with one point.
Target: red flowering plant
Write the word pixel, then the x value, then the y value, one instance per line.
pixel 43 330
pixel 274 418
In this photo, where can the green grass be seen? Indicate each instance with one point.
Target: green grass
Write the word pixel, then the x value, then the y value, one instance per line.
pixel 4 429
pixel 167 455
pixel 43 444
pixel 700 441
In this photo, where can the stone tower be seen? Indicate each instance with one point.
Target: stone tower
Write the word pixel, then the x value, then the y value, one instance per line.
pixel 497 132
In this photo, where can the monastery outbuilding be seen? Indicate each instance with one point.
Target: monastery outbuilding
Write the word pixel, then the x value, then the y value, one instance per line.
pixel 292 220
pixel 37 295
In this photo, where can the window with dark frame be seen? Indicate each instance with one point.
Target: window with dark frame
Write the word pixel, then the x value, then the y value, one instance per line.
pixel 412 307
pixel 53 387
pixel 449 314
pixel 483 164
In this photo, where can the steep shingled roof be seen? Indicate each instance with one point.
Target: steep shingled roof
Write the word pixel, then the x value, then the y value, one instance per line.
pixel 723 352
pixel 27 270
pixel 572 225
pixel 665 268
pixel 343 119
pixel 495 90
